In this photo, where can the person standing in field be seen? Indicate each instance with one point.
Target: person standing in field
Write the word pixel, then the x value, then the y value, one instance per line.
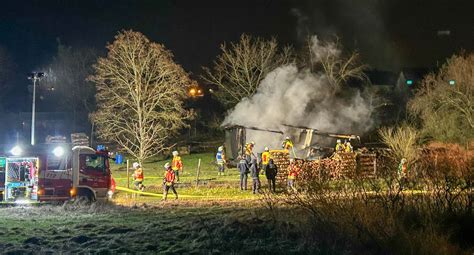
pixel 403 172
pixel 169 181
pixel 254 174
pixel 265 159
pixel 244 170
pixel 271 173
pixel 220 159
pixel 176 164
pixel 292 174
pixel 138 177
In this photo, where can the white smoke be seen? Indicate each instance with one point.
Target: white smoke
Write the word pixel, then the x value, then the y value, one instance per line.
pixel 300 98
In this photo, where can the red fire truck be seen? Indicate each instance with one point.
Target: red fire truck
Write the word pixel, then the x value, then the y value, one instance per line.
pixel 54 172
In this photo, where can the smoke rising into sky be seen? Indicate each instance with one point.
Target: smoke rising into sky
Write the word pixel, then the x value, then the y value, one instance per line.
pixel 291 96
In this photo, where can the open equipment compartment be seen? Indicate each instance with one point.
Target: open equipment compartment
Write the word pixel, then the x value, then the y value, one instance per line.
pixel 21 179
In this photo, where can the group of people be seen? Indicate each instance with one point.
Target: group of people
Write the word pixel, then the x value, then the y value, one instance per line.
pixel 171 175
pixel 343 147
pixel 248 164
pixel 267 167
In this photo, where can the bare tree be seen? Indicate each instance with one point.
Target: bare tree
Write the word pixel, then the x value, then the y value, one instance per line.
pixel 445 102
pixel 327 57
pixel 140 93
pixel 402 142
pixel 241 66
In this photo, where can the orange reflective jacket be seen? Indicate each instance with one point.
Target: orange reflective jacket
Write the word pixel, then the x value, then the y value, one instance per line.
pixel 177 163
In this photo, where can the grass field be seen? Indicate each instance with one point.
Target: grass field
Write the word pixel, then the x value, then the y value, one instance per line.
pixel 176 228
pixel 217 218
pixel 212 186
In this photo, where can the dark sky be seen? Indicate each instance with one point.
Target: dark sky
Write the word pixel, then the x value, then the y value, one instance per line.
pixel 389 34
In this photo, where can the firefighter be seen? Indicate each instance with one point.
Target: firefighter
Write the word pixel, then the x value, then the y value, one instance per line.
pixel 244 170
pixel 271 173
pixel 168 181
pixel 265 159
pixel 287 144
pixel 138 177
pixel 176 164
pixel 249 151
pixel 340 146
pixel 254 174
pixel 220 159
pixel 403 172
pixel 292 174
pixel 348 147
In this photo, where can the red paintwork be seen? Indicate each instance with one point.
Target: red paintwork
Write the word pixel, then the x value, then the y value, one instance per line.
pixel 57 184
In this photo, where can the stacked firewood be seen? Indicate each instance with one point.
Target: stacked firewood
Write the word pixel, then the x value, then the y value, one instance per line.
pixel 367 167
pixel 281 158
pixel 79 139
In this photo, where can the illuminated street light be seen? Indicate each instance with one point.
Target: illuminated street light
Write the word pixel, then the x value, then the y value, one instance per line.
pixel 35 76
pixel 195 91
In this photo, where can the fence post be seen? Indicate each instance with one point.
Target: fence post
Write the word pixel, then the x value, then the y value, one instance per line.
pixel 128 174
pixel 198 170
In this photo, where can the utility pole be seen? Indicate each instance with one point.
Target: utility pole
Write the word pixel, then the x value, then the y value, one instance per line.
pixel 35 76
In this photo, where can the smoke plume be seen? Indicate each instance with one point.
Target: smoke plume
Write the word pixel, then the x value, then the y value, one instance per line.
pixel 296 97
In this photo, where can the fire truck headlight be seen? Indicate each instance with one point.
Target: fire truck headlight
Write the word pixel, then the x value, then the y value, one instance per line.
pixel 16 151
pixel 58 151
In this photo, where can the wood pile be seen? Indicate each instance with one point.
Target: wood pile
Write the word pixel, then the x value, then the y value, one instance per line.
pixel 367 165
pixel 55 139
pixel 342 165
pixel 281 158
pixel 79 139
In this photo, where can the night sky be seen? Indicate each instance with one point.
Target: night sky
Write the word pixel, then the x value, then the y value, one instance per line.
pixel 389 34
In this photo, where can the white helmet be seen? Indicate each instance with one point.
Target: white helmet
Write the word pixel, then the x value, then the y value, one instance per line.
pixel 167 165
pixel 135 165
pixel 266 148
pixel 287 138
pixel 253 143
pixel 175 153
pixel 221 148
pixel 338 140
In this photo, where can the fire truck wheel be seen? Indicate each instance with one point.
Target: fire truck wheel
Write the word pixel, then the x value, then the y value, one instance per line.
pixel 85 195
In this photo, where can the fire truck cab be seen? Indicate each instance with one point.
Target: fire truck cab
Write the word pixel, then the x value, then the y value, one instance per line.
pixel 54 172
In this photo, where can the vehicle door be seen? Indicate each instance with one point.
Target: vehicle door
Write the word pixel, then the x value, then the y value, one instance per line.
pixel 94 173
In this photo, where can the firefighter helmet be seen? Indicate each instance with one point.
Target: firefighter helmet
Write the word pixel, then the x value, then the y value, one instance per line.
pixel 266 148
pixel 175 153
pixel 135 165
pixel 253 143
pixel 287 138
pixel 221 148
pixel 167 165
pixel 338 140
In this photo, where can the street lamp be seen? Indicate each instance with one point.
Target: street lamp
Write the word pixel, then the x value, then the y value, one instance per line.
pixel 35 76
